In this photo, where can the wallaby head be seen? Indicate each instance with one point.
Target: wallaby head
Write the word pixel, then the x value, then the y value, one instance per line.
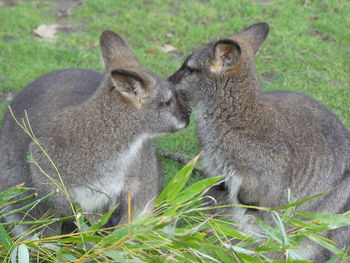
pixel 226 60
pixel 158 107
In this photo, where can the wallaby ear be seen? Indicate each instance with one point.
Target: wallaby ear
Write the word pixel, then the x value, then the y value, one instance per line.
pixel 131 86
pixel 115 52
pixel 226 56
pixel 254 35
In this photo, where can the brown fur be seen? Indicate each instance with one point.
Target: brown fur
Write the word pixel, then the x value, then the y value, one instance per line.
pixel 98 129
pixel 265 142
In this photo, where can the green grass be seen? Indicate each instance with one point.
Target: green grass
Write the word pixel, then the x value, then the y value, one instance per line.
pixel 180 229
pixel 308 50
pixel 308 47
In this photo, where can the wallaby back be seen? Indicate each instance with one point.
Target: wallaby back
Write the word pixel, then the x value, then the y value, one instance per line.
pixel 265 142
pixel 98 130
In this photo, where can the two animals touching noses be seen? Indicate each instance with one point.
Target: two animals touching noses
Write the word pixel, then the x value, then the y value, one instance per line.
pixel 99 129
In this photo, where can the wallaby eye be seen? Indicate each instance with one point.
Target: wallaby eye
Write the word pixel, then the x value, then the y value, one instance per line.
pixel 168 102
pixel 189 70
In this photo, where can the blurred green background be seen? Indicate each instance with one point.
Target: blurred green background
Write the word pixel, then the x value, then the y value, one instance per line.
pixel 308 48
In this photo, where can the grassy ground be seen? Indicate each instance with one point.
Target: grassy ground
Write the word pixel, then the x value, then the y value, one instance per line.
pixel 308 48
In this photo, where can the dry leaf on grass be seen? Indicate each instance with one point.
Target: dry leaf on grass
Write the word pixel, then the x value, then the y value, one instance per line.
pixel 167 48
pixel 47 31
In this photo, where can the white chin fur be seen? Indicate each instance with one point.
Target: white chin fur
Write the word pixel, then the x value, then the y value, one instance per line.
pixel 181 125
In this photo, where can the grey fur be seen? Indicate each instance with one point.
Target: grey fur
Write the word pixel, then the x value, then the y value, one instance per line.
pixel 265 142
pixel 98 130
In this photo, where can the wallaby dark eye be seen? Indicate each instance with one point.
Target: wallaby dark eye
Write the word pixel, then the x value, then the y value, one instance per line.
pixel 189 70
pixel 168 102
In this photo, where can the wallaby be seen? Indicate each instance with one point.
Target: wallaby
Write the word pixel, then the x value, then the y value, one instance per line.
pixel 97 129
pixel 265 142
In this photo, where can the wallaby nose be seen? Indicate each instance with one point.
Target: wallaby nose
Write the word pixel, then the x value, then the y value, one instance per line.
pixel 189 111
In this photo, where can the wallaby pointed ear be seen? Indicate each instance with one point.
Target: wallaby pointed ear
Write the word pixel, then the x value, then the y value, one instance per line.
pixel 226 56
pixel 254 35
pixel 115 52
pixel 131 86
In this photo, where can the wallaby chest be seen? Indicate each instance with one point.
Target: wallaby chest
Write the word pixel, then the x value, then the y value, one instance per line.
pixel 114 176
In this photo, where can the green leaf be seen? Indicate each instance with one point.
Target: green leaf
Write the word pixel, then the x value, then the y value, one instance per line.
pixel 115 256
pixel 330 247
pixel 5 239
pixel 333 259
pixel 195 189
pixel 64 256
pixel 229 231
pixel 12 193
pixel 177 183
pixel 272 232
pixel 103 220
pixel 305 224
pixel 299 202
pixel 248 258
pixel 243 250
pixel 281 227
pixel 222 256
pixel 332 220
pixel 121 233
pixel 193 243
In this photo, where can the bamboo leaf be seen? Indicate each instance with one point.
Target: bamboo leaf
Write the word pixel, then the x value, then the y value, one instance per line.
pixel 333 221
pixel 281 227
pixel 115 256
pixel 12 193
pixel 305 224
pixel 177 183
pixel 248 258
pixel 5 239
pixel 230 231
pixel 294 204
pixel 195 189
pixel 330 247
pixel 272 232
pixel 103 220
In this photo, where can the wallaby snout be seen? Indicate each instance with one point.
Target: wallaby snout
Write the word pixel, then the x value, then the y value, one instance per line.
pixel 185 110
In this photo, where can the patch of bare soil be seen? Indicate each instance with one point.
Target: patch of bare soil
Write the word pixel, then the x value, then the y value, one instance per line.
pixel 64 22
pixel 63 10
pixel 64 7
pixel 317 33
pixel 7 3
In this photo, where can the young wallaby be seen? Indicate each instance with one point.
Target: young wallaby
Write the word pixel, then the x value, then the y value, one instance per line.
pixel 265 142
pixel 98 131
